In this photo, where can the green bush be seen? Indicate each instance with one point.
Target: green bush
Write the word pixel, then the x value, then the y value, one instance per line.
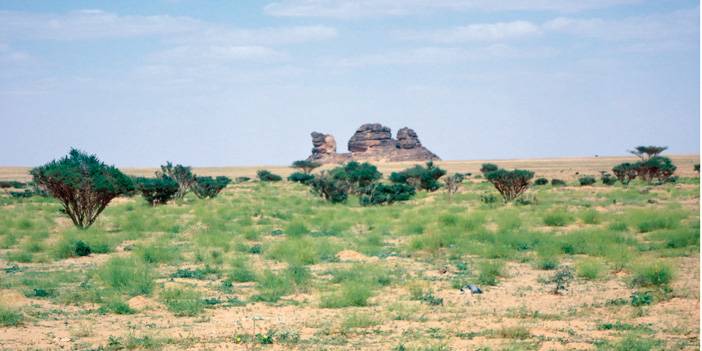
pixel 356 176
pixel 302 178
pixel 557 182
pixel 625 172
pixel 487 168
pixel 83 185
pixel 510 184
pixel 658 167
pixel 183 302
pixel 329 188
pixel 267 176
pixel 180 174
pixel 157 191
pixel 127 275
pixel 490 271
pixel 607 179
pixel 587 180
pixel 557 219
pixel 589 269
pixel 652 274
pixel 425 178
pixel 541 181
pixel 10 317
pixel 208 187
pixel 386 194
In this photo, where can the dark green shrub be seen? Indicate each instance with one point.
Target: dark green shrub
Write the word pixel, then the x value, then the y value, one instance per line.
pixel 657 167
pixel 12 184
pixel 386 194
pixel 697 168
pixel 157 191
pixel 329 188
pixel 356 176
pixel 587 180
pixel 266 176
pixel 82 249
pixel 557 182
pixel 205 187
pixel 641 298
pixel 82 184
pixel 182 175
pixel 625 172
pixel 21 194
pixel 302 178
pixel 487 168
pixel 541 181
pixel 242 179
pixel 306 166
pixel 607 179
pixel 425 178
pixel 510 184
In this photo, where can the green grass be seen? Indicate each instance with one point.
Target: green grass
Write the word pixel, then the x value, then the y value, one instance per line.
pixel 10 317
pixel 590 269
pixel 127 275
pixel 183 302
pixel 652 274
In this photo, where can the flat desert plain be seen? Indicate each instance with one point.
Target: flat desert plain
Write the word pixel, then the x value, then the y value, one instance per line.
pixel 271 266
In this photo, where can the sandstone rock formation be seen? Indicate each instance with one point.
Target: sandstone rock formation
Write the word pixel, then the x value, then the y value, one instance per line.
pixel 372 142
pixel 323 144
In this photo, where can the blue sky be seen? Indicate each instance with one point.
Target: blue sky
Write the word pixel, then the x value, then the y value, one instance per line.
pixel 233 83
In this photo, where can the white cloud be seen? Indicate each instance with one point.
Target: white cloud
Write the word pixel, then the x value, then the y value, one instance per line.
pixel 378 8
pixel 445 55
pixel 97 24
pixel 221 54
pixel 476 32
pixel 677 25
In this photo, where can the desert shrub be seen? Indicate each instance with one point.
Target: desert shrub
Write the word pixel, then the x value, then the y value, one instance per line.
pixel 350 294
pixel 267 176
pixel 541 181
pixel 425 178
pixel 487 168
pixel 652 274
pixel 386 194
pixel 272 286
pixel 329 188
pixel 183 302
pixel 357 176
pixel 156 254
pixel 208 187
pixel 12 184
pixel 561 280
pixel 490 271
pixel 625 172
pixel 127 275
pixel 557 182
pixel 241 270
pixel 697 168
pixel 182 175
pixel 10 317
pixel 590 216
pixel 658 167
pixel 83 185
pixel 557 219
pixel 306 166
pixel 587 180
pixel 453 182
pixel 607 179
pixel 510 184
pixel 589 269
pixel 157 191
pixel 21 194
pixel 242 179
pixel 302 178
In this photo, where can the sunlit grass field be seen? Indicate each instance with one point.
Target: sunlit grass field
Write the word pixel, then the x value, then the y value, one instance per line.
pixel 272 266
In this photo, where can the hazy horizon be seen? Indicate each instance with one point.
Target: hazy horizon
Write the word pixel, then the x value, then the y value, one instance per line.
pixel 231 83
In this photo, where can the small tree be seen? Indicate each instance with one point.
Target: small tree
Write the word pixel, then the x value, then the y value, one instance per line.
pixel 425 178
pixel 625 172
pixel 82 184
pixel 487 168
pixel 646 153
pixel 561 279
pixel 453 182
pixel 607 179
pixel 510 184
pixel 182 175
pixel 266 176
pixel 329 188
pixel 306 166
pixel 157 191
pixel 697 168
pixel 386 194
pixel 587 180
pixel 302 178
pixel 541 181
pixel 658 167
pixel 356 176
pixel 206 187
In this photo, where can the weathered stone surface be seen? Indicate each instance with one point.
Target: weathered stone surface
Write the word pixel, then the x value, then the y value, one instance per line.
pixel 323 144
pixel 369 136
pixel 372 142
pixel 407 139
